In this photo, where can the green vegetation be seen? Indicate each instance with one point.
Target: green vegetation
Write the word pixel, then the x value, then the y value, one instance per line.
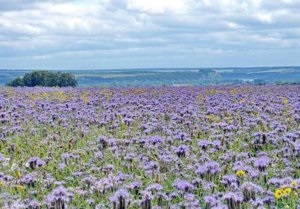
pixel 45 78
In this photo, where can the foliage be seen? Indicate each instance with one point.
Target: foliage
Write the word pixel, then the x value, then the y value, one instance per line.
pixel 16 82
pixel 45 78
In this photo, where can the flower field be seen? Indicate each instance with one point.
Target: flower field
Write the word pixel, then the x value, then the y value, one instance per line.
pixel 234 147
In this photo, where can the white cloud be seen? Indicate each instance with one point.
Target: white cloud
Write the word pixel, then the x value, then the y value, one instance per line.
pixel 233 25
pixel 158 6
pixel 42 29
pixel 264 17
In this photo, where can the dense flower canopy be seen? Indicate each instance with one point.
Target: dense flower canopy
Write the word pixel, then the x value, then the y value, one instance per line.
pixel 163 147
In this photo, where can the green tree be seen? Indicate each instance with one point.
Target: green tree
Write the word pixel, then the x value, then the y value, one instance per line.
pixel 16 82
pixel 66 79
pixel 45 78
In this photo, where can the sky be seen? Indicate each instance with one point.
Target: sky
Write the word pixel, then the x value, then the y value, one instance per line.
pixel 115 34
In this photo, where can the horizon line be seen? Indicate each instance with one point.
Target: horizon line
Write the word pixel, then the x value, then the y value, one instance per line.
pixel 156 68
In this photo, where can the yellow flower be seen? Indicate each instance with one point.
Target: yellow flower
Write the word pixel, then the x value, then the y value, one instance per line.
pixel 293 184
pixel 20 188
pixel 295 194
pixel 287 191
pixel 278 193
pixel 240 173
pixel 19 174
pixel 2 183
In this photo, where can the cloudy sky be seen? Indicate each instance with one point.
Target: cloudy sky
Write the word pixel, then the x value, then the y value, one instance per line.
pixel 106 34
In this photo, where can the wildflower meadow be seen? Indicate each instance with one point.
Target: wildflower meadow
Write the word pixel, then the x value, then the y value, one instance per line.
pixel 234 147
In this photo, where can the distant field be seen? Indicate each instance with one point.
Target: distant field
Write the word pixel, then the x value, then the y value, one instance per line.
pixel 150 147
pixel 175 77
pixel 112 75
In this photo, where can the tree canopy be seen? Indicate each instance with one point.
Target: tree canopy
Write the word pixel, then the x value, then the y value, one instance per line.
pixel 45 78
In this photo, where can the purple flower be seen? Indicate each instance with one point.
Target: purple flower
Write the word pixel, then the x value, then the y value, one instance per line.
pixel 154 140
pixel 228 180
pixel 146 200
pixel 209 169
pixel 183 185
pixel 34 162
pixel 262 162
pixel 104 184
pixel 250 190
pixel 34 204
pixel 155 187
pixel 190 201
pixel 121 199
pixel 182 150
pixel 204 144
pixel 233 200
pixel 2 158
pixel 211 200
pixel 134 186
pixel 29 179
pixel 102 142
pixel 99 155
pixel 151 167
pixel 59 197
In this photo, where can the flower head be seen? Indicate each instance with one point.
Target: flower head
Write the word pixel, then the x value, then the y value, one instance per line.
pixel 183 185
pixel 278 193
pixel 59 195
pixel 240 173
pixel 34 162
pixel 120 199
